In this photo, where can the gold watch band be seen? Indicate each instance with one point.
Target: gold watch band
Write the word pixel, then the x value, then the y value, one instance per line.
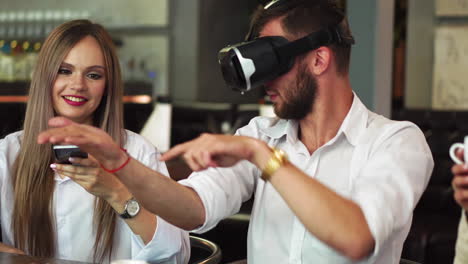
pixel 277 159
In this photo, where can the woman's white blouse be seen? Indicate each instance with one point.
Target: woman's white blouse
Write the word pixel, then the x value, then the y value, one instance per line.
pixel 73 208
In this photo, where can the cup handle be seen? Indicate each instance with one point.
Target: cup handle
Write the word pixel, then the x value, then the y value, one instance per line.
pixel 453 150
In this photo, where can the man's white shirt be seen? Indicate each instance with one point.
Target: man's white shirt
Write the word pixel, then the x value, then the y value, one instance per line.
pixel 382 165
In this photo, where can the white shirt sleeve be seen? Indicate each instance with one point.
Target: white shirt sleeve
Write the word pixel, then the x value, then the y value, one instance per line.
pixel 222 191
pixel 9 150
pixel 392 181
pixel 169 244
pixel 461 246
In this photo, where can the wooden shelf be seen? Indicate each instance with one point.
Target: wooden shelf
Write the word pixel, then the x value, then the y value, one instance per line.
pixel 13 99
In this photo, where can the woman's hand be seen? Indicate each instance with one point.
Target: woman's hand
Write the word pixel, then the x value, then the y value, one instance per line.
pixel 89 174
pixel 209 150
pixel 90 139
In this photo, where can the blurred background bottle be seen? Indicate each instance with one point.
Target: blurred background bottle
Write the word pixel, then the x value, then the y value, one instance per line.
pixel 21 36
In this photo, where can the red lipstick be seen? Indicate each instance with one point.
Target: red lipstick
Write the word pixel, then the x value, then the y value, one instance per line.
pixel 81 100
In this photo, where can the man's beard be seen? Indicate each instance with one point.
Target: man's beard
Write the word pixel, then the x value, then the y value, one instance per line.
pixel 299 100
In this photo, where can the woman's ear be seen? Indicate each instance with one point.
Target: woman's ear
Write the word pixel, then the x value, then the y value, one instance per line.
pixel 321 60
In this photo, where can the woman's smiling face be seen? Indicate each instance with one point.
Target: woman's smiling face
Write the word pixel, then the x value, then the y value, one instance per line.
pixel 80 82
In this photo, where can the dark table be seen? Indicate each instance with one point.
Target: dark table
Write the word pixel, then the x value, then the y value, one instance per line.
pixel 7 258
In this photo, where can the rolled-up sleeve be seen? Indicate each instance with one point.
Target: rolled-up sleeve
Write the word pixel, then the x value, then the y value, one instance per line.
pixel 222 191
pixel 392 181
pixel 168 245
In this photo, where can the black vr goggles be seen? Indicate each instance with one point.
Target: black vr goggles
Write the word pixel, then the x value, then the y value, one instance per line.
pixel 251 64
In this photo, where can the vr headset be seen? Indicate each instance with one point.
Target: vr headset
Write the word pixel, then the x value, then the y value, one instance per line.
pixel 248 65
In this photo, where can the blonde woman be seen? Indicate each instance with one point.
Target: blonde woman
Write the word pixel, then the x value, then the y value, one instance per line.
pixel 80 212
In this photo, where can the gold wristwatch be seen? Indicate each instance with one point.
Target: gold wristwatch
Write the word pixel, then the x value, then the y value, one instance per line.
pixel 277 159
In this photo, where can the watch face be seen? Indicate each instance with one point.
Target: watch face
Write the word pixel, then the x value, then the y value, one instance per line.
pixel 133 207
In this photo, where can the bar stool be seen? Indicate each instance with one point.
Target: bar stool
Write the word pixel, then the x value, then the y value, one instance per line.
pixel 204 251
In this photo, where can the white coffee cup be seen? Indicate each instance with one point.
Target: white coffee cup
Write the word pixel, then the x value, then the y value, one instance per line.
pixel 455 147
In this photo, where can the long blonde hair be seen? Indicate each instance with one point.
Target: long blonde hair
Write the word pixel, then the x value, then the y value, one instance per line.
pixel 33 181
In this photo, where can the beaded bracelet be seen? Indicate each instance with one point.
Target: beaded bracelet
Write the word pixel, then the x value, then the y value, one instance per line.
pixel 121 166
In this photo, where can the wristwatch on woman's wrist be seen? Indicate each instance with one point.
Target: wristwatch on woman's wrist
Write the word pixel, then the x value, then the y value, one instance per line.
pixel 132 207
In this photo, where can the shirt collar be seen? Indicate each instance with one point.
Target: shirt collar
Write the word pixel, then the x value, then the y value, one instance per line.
pixel 281 127
pixel 353 124
pixel 355 121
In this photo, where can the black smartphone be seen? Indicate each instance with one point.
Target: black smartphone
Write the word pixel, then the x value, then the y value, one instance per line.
pixel 64 152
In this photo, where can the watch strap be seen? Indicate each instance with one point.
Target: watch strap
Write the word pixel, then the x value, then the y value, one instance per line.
pixel 125 215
